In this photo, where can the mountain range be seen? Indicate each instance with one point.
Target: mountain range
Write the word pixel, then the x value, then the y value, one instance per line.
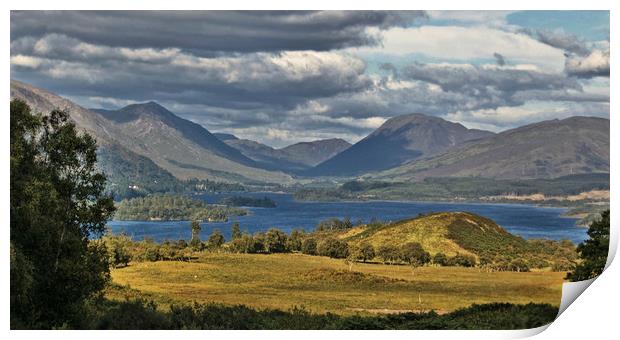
pixel 294 158
pixel 548 149
pixel 182 148
pixel 148 138
pixel 398 140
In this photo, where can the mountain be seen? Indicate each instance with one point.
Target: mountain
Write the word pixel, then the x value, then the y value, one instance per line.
pixel 316 152
pixel 398 140
pixel 224 136
pixel 293 158
pixel 182 148
pixel 548 149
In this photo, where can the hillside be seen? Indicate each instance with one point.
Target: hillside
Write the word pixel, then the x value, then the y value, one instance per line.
pixel 293 158
pixel 399 140
pixel 315 152
pixel 182 148
pixel 464 233
pixel 576 145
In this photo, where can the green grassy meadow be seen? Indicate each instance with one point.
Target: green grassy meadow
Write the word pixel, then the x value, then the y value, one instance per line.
pixel 321 284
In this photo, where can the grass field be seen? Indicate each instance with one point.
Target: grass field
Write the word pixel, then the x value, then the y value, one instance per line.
pixel 321 284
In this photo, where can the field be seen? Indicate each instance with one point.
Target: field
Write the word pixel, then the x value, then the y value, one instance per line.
pixel 321 284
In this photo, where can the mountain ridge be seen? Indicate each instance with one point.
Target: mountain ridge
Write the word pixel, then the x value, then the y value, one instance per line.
pixel 155 134
pixel 398 140
pixel 547 149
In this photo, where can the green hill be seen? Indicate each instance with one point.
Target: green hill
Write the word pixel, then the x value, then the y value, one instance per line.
pixel 464 233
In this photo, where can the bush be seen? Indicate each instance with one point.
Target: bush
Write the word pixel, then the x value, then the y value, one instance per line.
pixel 518 265
pixel 413 254
pixel 440 259
pixel 216 239
pixel 275 241
pixel 462 260
pixel 366 252
pixel 333 248
pixel 294 242
pixel 388 253
pixel 308 247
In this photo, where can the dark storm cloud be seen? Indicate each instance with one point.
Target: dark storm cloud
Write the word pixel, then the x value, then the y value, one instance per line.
pixel 582 61
pixel 245 81
pixel 558 39
pixel 487 83
pixel 207 33
pixel 499 59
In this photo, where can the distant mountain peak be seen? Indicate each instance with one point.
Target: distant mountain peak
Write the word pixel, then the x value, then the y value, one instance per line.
pixel 400 139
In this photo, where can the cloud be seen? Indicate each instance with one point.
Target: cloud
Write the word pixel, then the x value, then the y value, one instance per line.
pixel 207 33
pixel 559 39
pixel 246 80
pixel 489 83
pixel 595 64
pixel 458 43
pixel 501 61
pixel 282 77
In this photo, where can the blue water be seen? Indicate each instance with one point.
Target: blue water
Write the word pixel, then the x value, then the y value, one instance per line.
pixel 527 221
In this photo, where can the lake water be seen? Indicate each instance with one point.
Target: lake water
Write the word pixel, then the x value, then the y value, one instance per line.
pixel 527 221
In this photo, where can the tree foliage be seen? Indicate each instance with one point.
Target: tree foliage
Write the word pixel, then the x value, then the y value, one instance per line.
pixel 593 251
pixel 57 206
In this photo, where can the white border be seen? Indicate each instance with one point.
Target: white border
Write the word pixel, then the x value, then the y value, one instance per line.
pixel 593 314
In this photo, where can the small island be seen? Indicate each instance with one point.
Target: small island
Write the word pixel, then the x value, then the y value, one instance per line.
pixel 173 208
pixel 240 201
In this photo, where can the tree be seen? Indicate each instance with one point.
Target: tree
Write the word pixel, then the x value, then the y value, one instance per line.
pixel 216 239
pixel 295 240
pixel 440 259
pixel 236 231
pixel 387 253
pixel 118 249
pixel 58 209
pixel 195 241
pixel 308 246
pixel 333 248
pixel 366 252
pixel 593 251
pixel 275 241
pixel 462 260
pixel 414 255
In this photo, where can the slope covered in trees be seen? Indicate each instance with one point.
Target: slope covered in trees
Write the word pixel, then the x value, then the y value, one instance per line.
pixel 173 207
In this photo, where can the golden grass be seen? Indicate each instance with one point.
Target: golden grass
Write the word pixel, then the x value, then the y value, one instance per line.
pixel 320 284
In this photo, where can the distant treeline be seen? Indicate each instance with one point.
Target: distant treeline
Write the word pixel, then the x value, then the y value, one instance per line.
pixel 506 252
pixel 449 188
pixel 240 201
pixel 173 208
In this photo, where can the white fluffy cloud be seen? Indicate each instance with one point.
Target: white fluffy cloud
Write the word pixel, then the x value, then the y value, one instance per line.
pixel 463 43
pixel 595 64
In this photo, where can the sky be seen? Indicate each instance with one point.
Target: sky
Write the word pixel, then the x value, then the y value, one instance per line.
pixel 289 76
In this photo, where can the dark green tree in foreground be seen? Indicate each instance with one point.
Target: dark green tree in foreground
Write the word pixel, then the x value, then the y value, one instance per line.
pixel 57 207
pixel 593 251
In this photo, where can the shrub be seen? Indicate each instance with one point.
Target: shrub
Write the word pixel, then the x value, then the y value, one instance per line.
pixel 275 241
pixel 462 260
pixel 308 246
pixel 333 248
pixel 216 239
pixel 413 254
pixel 440 259
pixel 388 253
